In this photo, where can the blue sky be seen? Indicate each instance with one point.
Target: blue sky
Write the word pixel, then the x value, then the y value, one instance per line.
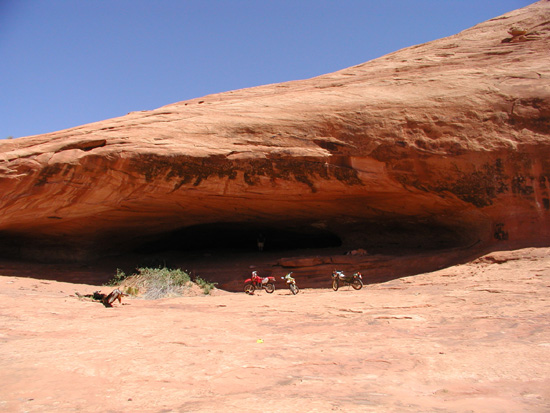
pixel 66 63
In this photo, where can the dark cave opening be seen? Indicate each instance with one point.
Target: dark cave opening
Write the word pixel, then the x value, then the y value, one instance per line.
pixel 377 237
pixel 240 237
pixel 408 236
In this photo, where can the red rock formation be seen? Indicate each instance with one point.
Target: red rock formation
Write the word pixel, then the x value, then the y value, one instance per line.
pixel 440 145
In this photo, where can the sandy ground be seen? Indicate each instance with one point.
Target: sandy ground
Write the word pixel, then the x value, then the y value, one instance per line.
pixel 470 338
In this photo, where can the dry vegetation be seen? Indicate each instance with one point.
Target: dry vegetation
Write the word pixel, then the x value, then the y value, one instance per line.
pixel 156 283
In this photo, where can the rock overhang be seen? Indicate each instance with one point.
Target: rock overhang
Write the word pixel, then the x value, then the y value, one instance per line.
pixel 145 197
pixel 449 139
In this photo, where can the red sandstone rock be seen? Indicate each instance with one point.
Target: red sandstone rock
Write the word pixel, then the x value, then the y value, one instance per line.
pixel 439 145
pixel 468 338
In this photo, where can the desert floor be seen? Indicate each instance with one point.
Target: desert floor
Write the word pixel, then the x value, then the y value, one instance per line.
pixel 470 338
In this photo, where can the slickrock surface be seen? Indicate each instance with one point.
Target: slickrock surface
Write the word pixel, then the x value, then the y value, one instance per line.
pixel 468 338
pixel 443 145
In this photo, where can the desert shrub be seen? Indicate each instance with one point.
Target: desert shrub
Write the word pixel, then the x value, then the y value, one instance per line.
pixel 205 285
pixel 119 277
pixel 158 283
pixel 132 290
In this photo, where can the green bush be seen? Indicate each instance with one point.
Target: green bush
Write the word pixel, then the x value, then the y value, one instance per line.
pixel 134 291
pixel 118 278
pixel 161 282
pixel 158 282
pixel 205 285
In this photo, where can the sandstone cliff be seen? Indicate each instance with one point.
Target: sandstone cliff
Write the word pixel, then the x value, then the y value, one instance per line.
pixel 444 145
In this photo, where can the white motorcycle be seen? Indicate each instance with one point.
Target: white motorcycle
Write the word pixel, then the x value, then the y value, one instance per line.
pixel 291 282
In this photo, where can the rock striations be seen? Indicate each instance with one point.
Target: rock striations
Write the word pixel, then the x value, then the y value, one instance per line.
pixel 444 145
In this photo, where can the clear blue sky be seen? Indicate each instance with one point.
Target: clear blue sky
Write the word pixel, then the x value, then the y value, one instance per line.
pixel 66 63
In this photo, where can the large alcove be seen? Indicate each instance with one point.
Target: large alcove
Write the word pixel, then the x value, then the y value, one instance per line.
pixel 240 237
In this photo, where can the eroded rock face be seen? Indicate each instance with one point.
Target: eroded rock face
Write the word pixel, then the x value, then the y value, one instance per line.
pixel 440 145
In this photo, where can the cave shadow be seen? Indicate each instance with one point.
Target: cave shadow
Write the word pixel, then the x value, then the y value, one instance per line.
pixel 238 237
pixel 226 253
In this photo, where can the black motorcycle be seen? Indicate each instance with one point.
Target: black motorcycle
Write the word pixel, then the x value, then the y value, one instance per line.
pixel 339 278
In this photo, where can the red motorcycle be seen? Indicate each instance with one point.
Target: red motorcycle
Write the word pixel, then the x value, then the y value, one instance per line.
pixel 256 282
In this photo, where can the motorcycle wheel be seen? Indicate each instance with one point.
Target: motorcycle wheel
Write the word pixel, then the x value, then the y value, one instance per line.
pixel 294 288
pixel 335 284
pixel 357 284
pixel 249 289
pixel 269 288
